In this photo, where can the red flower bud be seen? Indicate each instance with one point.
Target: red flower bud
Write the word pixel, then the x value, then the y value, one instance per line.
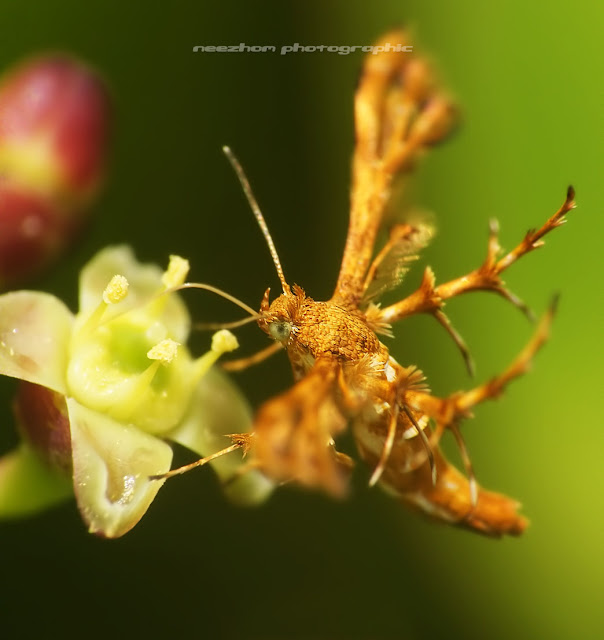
pixel 53 134
pixel 42 417
pixel 32 232
pixel 53 128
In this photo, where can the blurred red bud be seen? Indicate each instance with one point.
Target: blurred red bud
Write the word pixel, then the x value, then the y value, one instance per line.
pixel 53 128
pixel 32 232
pixel 54 121
pixel 44 423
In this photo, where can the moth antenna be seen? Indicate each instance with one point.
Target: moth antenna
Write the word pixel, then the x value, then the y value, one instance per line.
pixel 213 326
pixel 223 294
pixel 424 440
pixel 254 315
pixel 247 190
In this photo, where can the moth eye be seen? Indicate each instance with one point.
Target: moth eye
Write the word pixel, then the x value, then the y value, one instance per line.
pixel 280 330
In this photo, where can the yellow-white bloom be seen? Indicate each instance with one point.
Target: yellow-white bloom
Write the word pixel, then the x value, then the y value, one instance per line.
pixel 105 388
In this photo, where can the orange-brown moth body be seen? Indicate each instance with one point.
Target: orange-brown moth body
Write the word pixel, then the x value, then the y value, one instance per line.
pixel 344 374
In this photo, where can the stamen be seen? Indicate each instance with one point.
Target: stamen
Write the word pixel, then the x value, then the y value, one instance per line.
pixel 116 290
pixel 176 273
pixel 172 278
pixel 164 351
pixel 222 342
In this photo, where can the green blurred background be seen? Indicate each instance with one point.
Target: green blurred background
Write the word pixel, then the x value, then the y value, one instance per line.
pixel 529 79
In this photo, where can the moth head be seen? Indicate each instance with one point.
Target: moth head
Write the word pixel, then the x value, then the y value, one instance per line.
pixel 278 318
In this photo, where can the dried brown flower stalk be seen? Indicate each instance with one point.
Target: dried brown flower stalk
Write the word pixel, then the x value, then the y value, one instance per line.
pixel 344 373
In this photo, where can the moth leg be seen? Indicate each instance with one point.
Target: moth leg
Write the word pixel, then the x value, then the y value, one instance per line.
pixel 425 442
pixel 457 339
pixel 240 441
pixel 482 511
pixel 343 460
pixel 398 403
pixel 387 449
pixel 464 401
pixel 447 412
pixel 255 358
pixel 467 462
pixel 429 298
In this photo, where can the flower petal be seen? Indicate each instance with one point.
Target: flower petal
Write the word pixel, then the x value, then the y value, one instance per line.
pixel 28 485
pixel 112 463
pixel 35 329
pixel 217 410
pixel 145 282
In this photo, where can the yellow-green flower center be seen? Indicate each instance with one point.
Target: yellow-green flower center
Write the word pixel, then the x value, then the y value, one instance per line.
pixel 128 366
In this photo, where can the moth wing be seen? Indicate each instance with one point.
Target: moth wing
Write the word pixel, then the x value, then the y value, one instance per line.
pixel 293 432
pixel 394 260
pixel 398 112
